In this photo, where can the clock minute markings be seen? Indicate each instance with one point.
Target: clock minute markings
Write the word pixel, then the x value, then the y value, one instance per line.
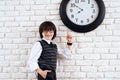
pixel 82 0
pixel 88 1
pixel 76 19
pixel 76 1
pixel 88 20
pixel 93 10
pixel 71 10
pixel 72 4
pixel 92 5
pixel 92 16
pixel 81 21
pixel 72 16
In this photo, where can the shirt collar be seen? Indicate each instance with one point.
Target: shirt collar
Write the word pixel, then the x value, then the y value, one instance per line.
pixel 48 41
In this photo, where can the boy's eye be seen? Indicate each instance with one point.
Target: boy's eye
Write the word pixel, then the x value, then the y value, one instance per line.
pixel 49 31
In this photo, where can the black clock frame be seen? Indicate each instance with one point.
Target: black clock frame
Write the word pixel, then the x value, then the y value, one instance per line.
pixel 82 28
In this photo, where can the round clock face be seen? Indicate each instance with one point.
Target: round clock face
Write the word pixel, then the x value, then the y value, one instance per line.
pixel 82 12
pixel 82 15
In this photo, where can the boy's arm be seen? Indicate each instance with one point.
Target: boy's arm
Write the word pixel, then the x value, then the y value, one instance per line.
pixel 66 53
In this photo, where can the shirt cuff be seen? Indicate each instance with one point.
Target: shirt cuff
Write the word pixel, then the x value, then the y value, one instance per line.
pixel 33 66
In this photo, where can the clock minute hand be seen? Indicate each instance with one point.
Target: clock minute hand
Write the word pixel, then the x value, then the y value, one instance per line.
pixel 79 8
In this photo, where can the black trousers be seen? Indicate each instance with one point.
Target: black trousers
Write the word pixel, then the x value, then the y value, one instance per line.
pixel 50 76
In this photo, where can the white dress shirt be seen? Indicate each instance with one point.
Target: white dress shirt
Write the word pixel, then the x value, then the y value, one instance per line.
pixel 36 52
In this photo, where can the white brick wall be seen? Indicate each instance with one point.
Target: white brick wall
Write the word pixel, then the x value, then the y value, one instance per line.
pixel 95 54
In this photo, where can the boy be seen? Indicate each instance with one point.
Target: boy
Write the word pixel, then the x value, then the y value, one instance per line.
pixel 43 57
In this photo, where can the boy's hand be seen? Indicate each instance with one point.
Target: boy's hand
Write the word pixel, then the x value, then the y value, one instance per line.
pixel 44 73
pixel 69 38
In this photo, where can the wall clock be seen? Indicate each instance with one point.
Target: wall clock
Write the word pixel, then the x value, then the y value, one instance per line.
pixel 82 15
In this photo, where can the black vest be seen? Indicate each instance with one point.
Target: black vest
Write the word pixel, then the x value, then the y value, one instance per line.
pixel 48 58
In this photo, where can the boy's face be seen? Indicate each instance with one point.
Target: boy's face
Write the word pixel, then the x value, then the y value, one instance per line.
pixel 48 34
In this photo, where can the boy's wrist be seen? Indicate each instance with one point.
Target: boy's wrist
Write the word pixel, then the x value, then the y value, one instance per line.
pixel 69 43
pixel 38 70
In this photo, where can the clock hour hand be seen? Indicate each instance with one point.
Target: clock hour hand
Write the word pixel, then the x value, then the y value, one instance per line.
pixel 78 11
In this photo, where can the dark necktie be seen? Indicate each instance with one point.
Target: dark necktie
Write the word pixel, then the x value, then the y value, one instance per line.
pixel 51 44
